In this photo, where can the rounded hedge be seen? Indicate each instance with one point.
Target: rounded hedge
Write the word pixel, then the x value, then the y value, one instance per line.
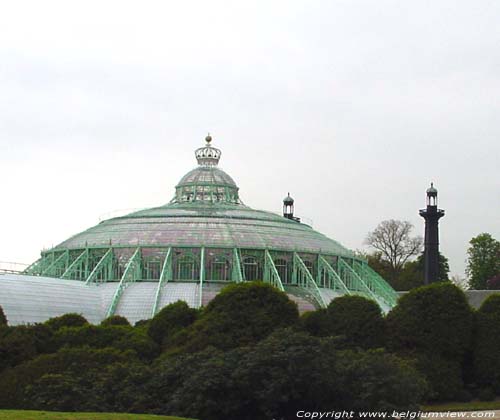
pixel 3 318
pixel 357 321
pixel 241 314
pixel 116 320
pixel 66 320
pixel 434 319
pixel 171 319
pixel 487 344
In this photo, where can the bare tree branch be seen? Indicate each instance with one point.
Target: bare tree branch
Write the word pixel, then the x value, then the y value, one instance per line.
pixel 392 239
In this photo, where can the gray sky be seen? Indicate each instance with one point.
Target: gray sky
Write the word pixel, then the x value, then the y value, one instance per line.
pixel 352 106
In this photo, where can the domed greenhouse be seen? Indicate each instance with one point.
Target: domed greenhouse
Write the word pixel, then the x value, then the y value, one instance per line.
pixel 188 249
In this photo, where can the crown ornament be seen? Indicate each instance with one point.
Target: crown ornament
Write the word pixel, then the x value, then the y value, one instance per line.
pixel 208 155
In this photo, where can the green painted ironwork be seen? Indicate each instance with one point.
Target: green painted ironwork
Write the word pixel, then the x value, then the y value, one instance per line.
pixel 332 276
pixel 104 266
pixel 271 275
pixel 304 278
pixel 237 272
pixel 165 276
pixel 202 277
pixel 32 268
pixel 59 264
pixel 77 265
pixel 132 272
pixel 376 283
pixel 357 281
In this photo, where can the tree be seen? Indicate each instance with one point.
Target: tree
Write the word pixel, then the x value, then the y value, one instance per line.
pixel 392 238
pixel 483 260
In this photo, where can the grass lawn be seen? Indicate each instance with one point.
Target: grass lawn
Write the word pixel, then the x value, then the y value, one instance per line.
pixel 464 406
pixel 49 415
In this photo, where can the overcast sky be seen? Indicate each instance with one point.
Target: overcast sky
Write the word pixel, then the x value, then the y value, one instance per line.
pixel 352 106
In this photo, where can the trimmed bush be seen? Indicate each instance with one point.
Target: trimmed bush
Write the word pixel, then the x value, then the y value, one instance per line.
pixel 356 321
pixel 433 319
pixel 240 315
pixel 434 324
pixel 359 320
pixel 487 344
pixel 115 320
pixel 3 318
pixel 67 320
pixel 170 320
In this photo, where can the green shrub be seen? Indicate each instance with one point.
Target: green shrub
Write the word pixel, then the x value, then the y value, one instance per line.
pixel 241 314
pixel 487 344
pixel 21 343
pixel 433 319
pixel 286 372
pixel 81 379
pixel 486 394
pixel 117 336
pixel 115 320
pixel 359 320
pixel 170 320
pixel 3 318
pixel 434 324
pixel 67 320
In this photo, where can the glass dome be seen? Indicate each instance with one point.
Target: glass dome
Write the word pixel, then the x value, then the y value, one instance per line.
pixel 188 249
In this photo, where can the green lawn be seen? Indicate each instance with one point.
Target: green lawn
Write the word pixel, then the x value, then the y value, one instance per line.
pixel 464 406
pixel 48 415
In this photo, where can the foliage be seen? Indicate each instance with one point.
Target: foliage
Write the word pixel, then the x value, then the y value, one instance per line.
pixel 170 320
pixel 411 275
pixel 286 372
pixel 3 318
pixel 21 343
pixel 494 283
pixel 88 377
pixel 434 324
pixel 117 336
pixel 392 239
pixel 483 261
pixel 38 415
pixel 115 320
pixel 356 319
pixel 66 320
pixel 487 343
pixel 240 315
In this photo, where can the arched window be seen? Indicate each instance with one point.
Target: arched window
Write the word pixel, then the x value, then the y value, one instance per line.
pixel 219 268
pixel 282 269
pixel 251 269
pixel 187 268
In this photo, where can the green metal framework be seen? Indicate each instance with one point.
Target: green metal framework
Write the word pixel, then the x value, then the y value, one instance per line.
pixel 271 275
pixel 331 279
pixel 104 268
pixel 303 277
pixel 165 276
pixel 378 286
pixel 79 265
pixel 58 267
pixel 132 272
pixel 307 271
pixel 237 273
